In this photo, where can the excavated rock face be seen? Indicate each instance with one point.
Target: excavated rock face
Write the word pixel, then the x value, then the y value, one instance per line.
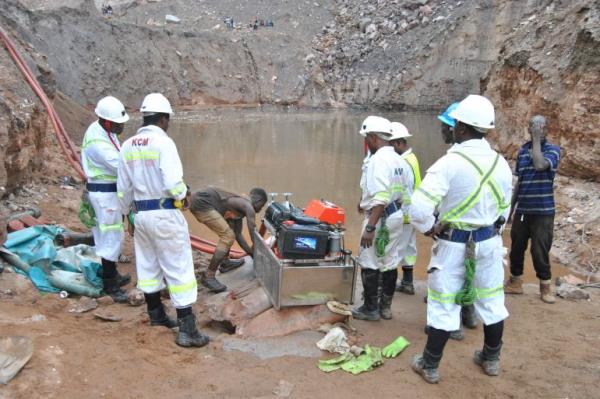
pixel 552 67
pixel 23 123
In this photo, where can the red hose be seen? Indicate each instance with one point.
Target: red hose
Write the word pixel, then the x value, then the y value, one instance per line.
pixel 67 145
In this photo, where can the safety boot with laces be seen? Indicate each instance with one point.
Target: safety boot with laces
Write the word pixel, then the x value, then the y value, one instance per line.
pixel 546 291
pixel 488 359
pixel 188 334
pixel 514 285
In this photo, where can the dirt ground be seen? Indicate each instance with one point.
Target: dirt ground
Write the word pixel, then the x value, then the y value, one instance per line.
pixel 551 351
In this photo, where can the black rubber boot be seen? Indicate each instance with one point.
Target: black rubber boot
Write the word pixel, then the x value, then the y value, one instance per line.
pixel 231 264
pixel 388 287
pixel 426 365
pixel 468 317
pixel 123 279
pixel 407 288
pixel 188 334
pixel 370 308
pixel 488 359
pixel 111 288
pixel 158 317
pixel 385 307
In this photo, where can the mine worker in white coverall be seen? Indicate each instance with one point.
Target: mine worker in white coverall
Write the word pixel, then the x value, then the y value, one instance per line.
pixel 408 241
pixel 100 161
pixel 382 184
pixel 151 184
pixel 471 187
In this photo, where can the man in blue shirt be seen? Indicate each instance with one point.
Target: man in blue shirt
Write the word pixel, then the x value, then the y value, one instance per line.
pixel 533 207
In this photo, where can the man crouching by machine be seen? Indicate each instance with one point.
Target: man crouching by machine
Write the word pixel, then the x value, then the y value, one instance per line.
pixel 222 212
pixel 382 184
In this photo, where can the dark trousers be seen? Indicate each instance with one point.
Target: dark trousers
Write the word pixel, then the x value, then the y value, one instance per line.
pixel 538 228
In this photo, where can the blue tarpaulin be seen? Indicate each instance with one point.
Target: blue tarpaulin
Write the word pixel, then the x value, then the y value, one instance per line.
pixel 75 266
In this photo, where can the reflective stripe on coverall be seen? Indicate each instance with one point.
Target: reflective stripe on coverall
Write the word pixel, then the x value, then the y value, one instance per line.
pixel 383 180
pixel 150 168
pixel 408 240
pixel 100 161
pixel 449 183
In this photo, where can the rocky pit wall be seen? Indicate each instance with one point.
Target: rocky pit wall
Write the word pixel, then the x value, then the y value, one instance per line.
pixel 535 56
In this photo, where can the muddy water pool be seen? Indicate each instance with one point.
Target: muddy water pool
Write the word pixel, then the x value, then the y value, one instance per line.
pixel 310 154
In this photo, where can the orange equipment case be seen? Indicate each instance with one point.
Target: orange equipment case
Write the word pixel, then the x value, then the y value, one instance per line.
pixel 325 211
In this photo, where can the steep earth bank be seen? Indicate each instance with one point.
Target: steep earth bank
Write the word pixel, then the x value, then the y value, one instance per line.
pixel 23 122
pixel 550 65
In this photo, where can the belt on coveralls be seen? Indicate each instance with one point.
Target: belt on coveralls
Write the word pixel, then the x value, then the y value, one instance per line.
pixel 154 204
pixel 463 236
pixel 101 187
pixel 392 208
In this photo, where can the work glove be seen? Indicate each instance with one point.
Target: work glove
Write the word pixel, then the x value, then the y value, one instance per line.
pixel 370 359
pixel 395 348
pixel 335 363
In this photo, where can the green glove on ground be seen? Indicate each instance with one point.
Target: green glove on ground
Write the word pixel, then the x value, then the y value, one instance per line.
pixel 335 363
pixel 367 361
pixel 394 349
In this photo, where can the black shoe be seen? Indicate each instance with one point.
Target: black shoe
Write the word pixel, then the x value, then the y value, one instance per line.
pixel 231 264
pixel 123 279
pixel 189 335
pixel 111 288
pixel 212 284
pixel 158 317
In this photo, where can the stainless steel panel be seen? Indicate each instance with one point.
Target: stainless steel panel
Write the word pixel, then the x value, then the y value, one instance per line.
pixel 314 285
pixel 268 269
pixel 294 285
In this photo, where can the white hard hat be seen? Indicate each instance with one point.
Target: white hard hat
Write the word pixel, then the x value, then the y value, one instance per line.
pixel 111 109
pixel 375 124
pixel 399 131
pixel 476 111
pixel 156 103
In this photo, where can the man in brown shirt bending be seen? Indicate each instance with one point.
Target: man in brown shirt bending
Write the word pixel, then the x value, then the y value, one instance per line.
pixel 222 212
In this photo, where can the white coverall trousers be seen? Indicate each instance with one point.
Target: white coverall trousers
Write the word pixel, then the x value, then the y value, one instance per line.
pixel 367 257
pixel 446 279
pixel 163 252
pixel 108 232
pixel 407 253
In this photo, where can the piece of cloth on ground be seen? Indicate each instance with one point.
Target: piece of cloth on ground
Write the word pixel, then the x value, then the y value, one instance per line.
pixel 35 246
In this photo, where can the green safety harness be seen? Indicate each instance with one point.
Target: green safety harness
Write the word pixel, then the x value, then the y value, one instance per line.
pixel 468 294
pixel 382 238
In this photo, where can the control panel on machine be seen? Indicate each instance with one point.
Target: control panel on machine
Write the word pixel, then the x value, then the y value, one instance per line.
pixel 315 232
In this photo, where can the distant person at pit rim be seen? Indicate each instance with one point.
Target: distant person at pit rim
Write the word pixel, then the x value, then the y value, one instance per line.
pixel 222 212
